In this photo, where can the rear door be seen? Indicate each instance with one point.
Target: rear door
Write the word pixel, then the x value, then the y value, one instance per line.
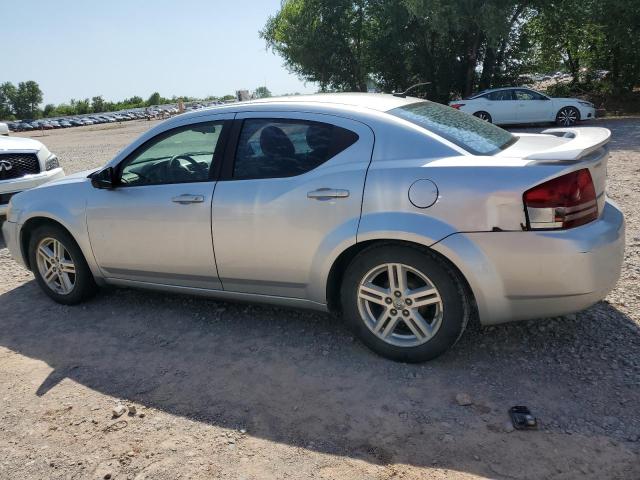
pixel 292 186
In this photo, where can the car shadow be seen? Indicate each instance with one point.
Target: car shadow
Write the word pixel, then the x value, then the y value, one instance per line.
pixel 301 379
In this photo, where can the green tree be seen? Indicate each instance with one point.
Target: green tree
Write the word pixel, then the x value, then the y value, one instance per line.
pixel 322 41
pixel 27 98
pixel 344 44
pixel 7 98
pixel 262 92
pixel 154 99
pixel 49 110
pixel 97 104
pixel 81 107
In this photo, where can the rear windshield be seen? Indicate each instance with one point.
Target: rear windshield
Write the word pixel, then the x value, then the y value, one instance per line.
pixel 466 131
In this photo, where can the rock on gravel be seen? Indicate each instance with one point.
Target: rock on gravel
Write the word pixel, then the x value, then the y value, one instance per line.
pixel 463 399
pixel 118 411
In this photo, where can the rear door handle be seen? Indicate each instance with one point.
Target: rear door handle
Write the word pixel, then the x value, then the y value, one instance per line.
pixel 187 198
pixel 327 193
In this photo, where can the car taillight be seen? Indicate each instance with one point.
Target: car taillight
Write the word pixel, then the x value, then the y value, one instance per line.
pixel 457 105
pixel 564 202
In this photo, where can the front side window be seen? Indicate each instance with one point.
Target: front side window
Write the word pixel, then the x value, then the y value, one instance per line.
pixel 182 155
pixel 466 131
pixel 276 148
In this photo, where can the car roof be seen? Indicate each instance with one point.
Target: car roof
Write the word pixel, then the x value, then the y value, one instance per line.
pixel 380 102
pixel 497 89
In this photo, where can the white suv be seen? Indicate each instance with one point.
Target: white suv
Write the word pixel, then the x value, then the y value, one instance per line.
pixel 24 163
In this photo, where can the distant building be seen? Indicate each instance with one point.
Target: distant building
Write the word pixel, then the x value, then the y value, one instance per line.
pixel 243 95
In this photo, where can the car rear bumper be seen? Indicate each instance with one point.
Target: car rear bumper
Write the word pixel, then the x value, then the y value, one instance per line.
pixel 17 185
pixel 522 275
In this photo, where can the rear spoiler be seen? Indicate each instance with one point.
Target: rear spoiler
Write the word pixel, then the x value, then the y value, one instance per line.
pixel 581 142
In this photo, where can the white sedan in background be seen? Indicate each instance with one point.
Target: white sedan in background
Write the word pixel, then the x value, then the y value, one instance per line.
pixel 523 105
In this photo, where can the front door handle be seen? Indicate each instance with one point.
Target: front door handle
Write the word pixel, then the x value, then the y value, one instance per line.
pixel 327 193
pixel 187 198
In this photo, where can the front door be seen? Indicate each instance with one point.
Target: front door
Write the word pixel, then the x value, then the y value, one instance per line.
pixel 532 107
pixel 155 226
pixel 295 182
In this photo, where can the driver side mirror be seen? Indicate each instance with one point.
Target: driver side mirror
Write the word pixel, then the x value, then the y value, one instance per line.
pixel 103 179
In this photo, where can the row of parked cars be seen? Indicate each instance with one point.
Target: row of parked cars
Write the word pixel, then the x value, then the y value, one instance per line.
pixel 78 121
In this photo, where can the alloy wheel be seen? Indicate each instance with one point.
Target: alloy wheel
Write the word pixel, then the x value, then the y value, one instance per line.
pixel 483 116
pixel 55 265
pixel 400 305
pixel 567 117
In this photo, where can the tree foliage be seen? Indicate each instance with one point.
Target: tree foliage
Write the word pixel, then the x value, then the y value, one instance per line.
pixel 457 45
pixel 262 92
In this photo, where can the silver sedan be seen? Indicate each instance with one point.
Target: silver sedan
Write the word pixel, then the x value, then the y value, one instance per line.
pixel 408 217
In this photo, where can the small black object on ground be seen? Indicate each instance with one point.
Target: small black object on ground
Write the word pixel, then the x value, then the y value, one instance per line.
pixel 522 418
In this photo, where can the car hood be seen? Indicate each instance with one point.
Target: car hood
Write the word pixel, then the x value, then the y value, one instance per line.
pixel 19 143
pixel 80 177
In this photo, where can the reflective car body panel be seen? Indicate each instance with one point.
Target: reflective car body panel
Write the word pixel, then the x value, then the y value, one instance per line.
pixel 277 239
pixel 269 231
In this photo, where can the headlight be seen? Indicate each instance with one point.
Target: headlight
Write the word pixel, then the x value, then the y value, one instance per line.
pixel 52 162
pixel 586 104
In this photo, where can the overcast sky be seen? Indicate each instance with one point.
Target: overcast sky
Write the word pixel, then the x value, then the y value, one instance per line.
pixel 120 48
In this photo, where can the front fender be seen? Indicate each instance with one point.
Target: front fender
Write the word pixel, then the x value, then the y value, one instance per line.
pixel 64 206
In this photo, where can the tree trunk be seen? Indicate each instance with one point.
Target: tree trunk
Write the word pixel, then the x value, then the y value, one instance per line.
pixel 472 61
pixel 488 67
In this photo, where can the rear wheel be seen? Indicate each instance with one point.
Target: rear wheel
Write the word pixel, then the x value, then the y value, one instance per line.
pixel 404 303
pixel 483 116
pixel 59 266
pixel 567 116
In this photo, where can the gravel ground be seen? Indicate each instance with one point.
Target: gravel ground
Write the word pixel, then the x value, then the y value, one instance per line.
pixel 224 390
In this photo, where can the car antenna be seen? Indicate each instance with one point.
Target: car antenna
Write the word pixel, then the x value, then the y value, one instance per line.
pixel 404 94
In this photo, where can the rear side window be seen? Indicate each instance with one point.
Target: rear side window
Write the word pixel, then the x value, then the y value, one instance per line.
pixel 276 148
pixel 468 132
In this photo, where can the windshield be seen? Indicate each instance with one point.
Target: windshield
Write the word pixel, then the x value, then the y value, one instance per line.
pixel 466 131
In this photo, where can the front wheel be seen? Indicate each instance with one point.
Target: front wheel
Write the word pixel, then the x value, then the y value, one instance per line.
pixel 567 116
pixel 59 266
pixel 404 303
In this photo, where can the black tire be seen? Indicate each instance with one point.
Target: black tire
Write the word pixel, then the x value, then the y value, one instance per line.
pixel 483 116
pixel 567 116
pixel 84 287
pixel 455 302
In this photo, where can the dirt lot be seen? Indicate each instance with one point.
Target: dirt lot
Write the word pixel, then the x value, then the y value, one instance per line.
pixel 233 391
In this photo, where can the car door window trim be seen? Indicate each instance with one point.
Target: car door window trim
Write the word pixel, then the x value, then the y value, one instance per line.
pixel 214 168
pixel 230 156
